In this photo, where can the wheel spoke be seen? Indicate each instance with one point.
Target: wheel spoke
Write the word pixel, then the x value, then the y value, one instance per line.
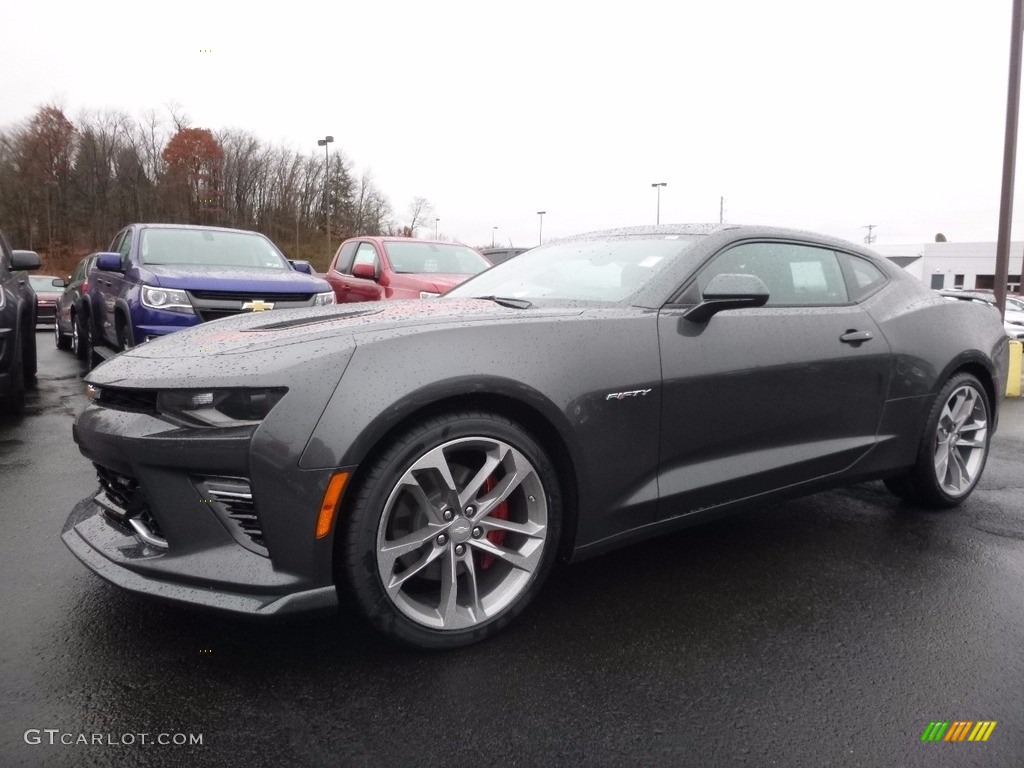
pixel 963 475
pixel 476 607
pixel 942 460
pixel 412 485
pixel 436 460
pixel 533 530
pixel 449 588
pixel 493 498
pixel 964 443
pixel 396 582
pixel 491 463
pixel 965 408
pixel 524 562
pixel 392 550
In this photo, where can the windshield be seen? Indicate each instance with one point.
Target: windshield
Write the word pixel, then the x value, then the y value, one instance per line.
pixel 43 284
pixel 209 248
pixel 608 270
pixel 440 258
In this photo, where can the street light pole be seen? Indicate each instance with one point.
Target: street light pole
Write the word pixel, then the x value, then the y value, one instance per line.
pixel 658 185
pixel 493 230
pixel 327 187
pixel 435 228
pixel 540 234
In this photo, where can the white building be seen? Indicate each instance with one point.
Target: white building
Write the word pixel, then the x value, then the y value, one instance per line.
pixel 955 265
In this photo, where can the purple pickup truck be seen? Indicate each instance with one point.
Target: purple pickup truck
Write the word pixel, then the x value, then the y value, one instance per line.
pixel 161 278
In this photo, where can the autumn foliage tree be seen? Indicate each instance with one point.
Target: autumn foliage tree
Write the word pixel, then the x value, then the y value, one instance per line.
pixel 193 161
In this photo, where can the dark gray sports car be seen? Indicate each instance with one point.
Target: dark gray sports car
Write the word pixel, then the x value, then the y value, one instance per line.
pixel 432 459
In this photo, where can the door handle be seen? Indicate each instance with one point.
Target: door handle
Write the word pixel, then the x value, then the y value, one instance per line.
pixel 855 337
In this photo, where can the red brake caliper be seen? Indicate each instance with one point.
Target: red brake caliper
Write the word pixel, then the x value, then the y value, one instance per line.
pixel 495 537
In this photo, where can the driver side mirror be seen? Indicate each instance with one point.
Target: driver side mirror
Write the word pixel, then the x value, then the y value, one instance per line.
pixel 109 262
pixel 59 282
pixel 301 266
pixel 728 292
pixel 364 270
pixel 24 260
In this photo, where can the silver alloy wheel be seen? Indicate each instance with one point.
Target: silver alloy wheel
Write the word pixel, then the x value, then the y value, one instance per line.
pixel 463 533
pixel 75 341
pixel 961 440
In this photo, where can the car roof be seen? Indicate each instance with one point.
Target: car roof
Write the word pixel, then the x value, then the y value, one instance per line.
pixel 200 227
pixel 734 231
pixel 396 239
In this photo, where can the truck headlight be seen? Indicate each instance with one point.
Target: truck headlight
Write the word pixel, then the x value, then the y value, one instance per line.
pixel 428 295
pixel 169 299
pixel 321 299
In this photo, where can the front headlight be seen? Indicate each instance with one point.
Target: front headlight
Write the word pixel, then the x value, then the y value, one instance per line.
pixel 218 407
pixel 323 298
pixel 428 295
pixel 169 299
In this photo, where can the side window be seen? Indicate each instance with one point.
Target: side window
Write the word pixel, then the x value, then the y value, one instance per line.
pixel 115 246
pixel 126 245
pixel 366 254
pixel 343 261
pixel 79 272
pixel 796 275
pixel 862 277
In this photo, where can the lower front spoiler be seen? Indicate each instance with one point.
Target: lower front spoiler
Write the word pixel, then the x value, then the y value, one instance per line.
pixel 90 537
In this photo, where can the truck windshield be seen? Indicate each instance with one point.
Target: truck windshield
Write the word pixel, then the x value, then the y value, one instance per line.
pixel 212 248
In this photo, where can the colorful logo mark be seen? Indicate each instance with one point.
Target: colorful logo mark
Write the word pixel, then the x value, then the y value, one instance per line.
pixel 958 730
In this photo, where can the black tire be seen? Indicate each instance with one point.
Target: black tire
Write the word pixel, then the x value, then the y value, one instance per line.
pixel 962 466
pixel 382 510
pixel 80 340
pixel 125 339
pixel 62 340
pixel 28 352
pixel 14 400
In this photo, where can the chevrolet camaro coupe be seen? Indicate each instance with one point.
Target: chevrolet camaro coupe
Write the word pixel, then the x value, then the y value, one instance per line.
pixel 430 461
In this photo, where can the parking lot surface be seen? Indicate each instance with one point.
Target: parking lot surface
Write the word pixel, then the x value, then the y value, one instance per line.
pixel 829 630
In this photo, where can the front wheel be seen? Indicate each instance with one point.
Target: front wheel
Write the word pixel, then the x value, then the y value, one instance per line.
pixel 62 339
pixel 954 447
pixel 452 530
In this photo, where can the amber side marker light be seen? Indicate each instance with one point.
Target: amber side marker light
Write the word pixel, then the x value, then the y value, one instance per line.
pixel 331 498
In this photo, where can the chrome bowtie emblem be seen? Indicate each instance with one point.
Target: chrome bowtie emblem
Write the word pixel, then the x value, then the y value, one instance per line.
pixel 258 305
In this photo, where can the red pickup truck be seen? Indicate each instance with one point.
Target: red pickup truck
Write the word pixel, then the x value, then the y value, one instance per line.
pixel 375 268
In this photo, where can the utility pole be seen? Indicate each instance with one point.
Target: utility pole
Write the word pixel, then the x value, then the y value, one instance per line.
pixel 540 232
pixel 327 187
pixel 869 238
pixel 721 209
pixel 658 185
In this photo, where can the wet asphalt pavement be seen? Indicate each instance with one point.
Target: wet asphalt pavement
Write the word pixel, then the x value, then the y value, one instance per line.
pixel 824 631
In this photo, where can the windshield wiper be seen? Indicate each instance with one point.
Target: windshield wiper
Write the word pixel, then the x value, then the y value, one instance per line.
pixel 507 302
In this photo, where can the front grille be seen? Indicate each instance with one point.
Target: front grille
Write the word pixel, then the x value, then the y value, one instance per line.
pixel 135 400
pixel 232 502
pixel 123 501
pixel 205 315
pixel 248 296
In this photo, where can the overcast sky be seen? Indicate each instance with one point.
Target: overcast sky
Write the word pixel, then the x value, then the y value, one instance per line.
pixel 819 115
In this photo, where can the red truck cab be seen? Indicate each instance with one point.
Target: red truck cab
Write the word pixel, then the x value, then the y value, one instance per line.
pixel 376 268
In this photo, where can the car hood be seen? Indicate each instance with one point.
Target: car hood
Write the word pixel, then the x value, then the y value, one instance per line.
pixel 233 279
pixel 431 281
pixel 259 331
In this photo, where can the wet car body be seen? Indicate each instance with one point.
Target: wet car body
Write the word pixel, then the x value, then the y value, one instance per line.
pixel 651 415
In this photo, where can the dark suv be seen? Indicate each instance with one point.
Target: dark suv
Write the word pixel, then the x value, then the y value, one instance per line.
pixel 17 325
pixel 160 278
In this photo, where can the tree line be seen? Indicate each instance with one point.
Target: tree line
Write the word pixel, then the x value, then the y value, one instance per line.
pixel 66 187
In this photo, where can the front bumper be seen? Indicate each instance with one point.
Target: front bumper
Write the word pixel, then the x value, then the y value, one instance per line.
pixel 194 547
pixel 122 558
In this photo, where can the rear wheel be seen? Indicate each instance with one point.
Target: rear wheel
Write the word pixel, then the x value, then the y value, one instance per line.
pixel 62 340
pixel 124 334
pixel 452 531
pixel 954 447
pixel 81 337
